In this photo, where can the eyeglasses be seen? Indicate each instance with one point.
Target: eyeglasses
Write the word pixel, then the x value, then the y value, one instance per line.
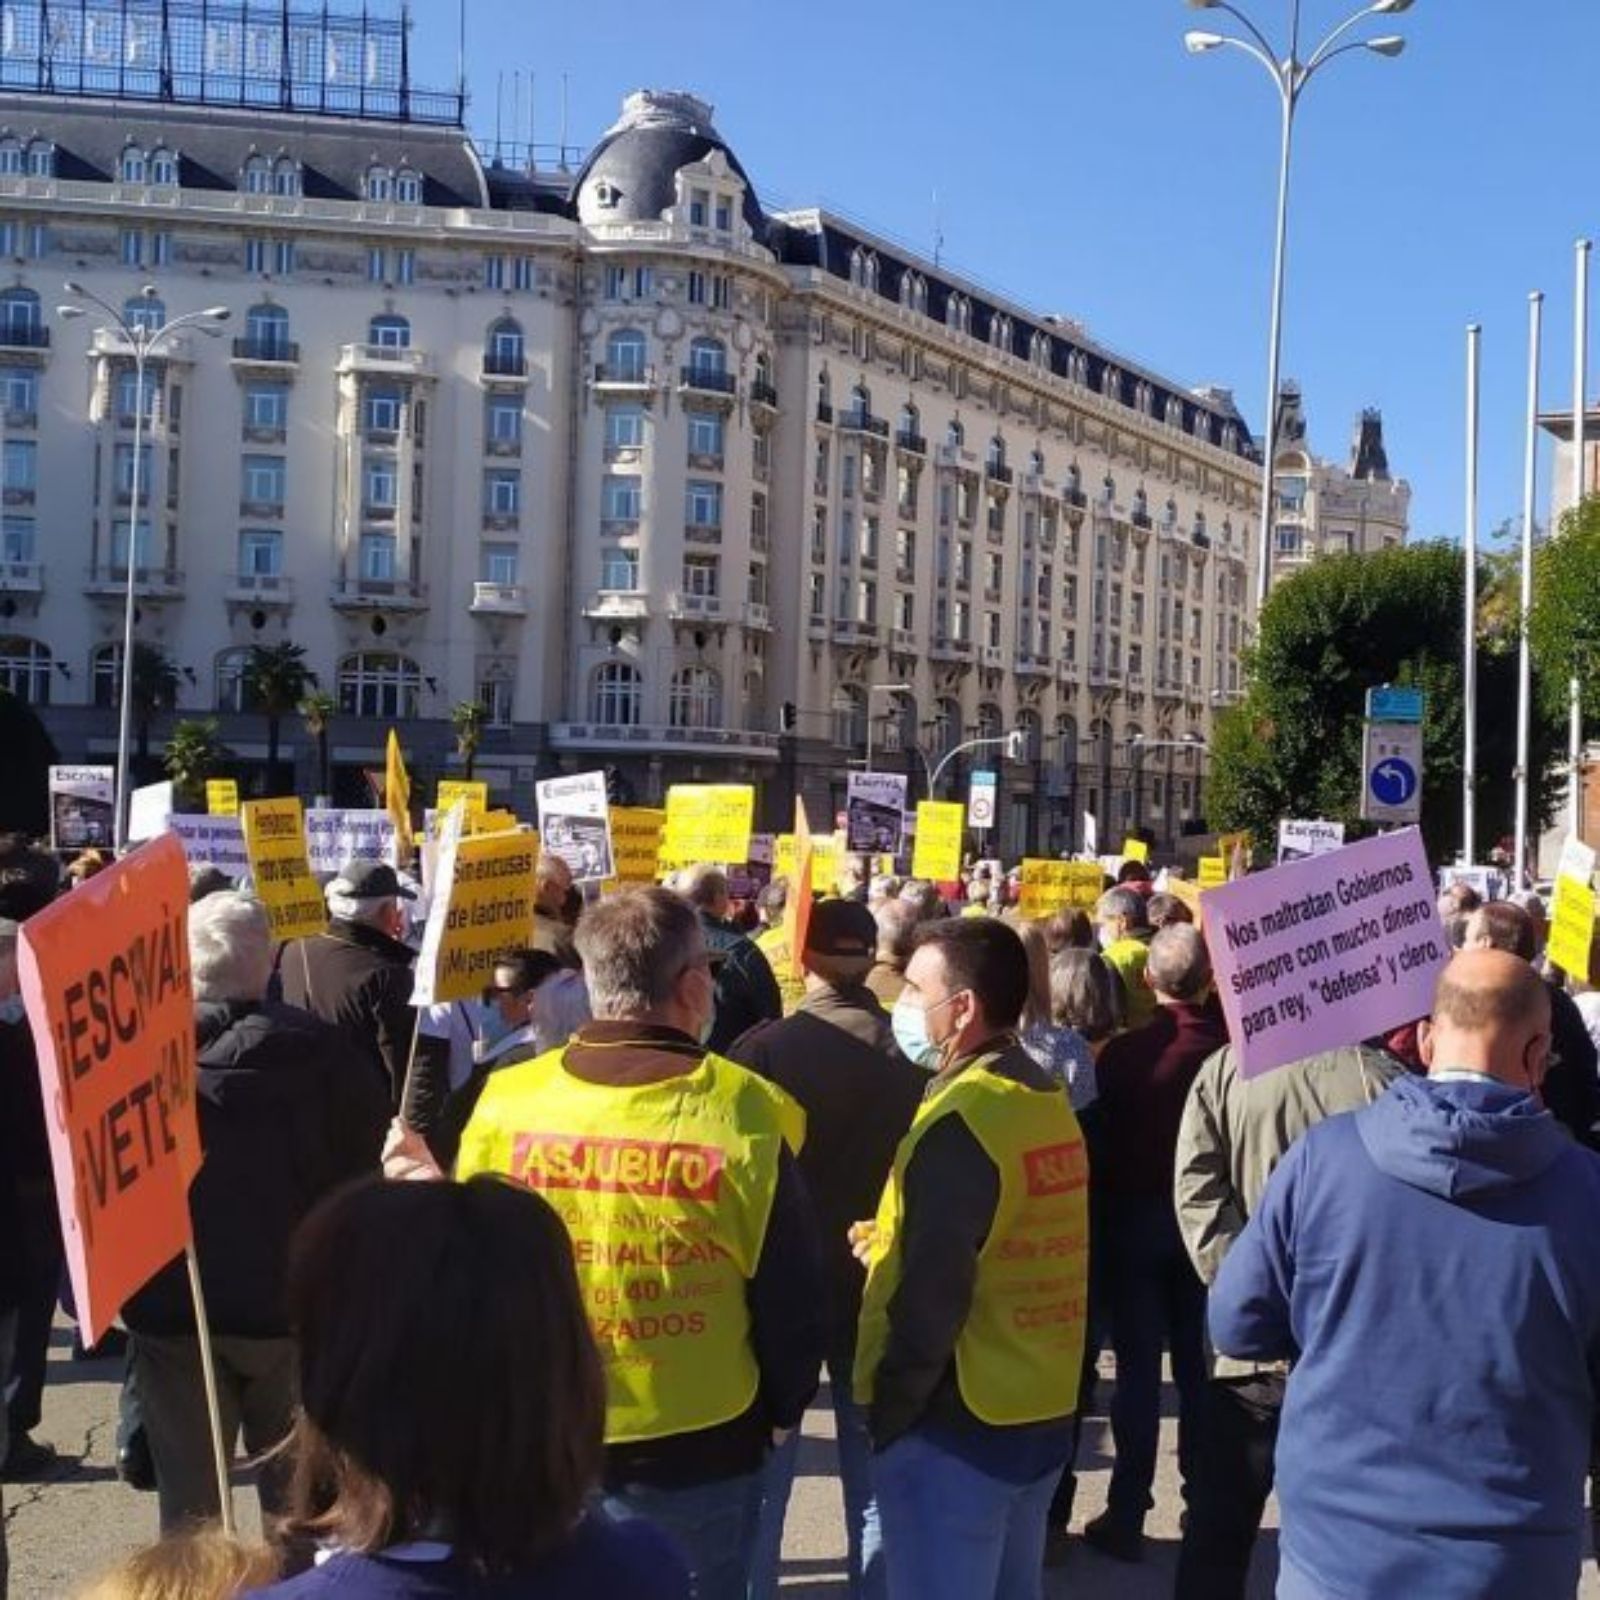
pixel 493 991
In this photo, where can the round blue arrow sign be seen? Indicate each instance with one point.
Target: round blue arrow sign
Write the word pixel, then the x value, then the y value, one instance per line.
pixel 1393 781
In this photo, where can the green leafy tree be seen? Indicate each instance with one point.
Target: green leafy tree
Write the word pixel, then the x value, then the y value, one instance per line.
pixel 1344 625
pixel 1564 627
pixel 467 717
pixel 195 751
pixel 316 711
pixel 275 680
pixel 154 690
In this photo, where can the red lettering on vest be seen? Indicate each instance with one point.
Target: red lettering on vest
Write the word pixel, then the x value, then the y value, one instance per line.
pixel 617 1166
pixel 1055 1168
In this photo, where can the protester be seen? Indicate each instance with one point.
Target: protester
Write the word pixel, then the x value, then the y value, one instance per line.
pixel 1060 1050
pixel 883 888
pixel 206 879
pixel 1086 996
pixel 745 990
pixel 1571 1088
pixel 553 914
pixel 1163 910
pixel 773 943
pixel 1068 929
pixel 86 865
pixel 1432 1268
pixel 925 896
pixel 357 975
pixel 1125 941
pixel 837 1057
pixel 1457 900
pixel 202 1565
pixel 852 877
pixel 1155 1298
pixel 897 922
pixel 1234 1131
pixel 971 1331
pixel 269 1111
pixel 449 1439
pixel 695 1396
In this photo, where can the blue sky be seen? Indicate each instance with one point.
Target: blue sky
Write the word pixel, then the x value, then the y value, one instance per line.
pixel 1085 164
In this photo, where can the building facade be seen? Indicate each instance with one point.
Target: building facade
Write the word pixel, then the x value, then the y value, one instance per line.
pixel 670 485
pixel 1325 509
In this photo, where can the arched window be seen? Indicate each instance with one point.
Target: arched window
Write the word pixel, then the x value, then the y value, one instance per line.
pixel 408 187
pixel 625 353
pixel 696 699
pixel 764 368
pixel 20 319
pixel 708 358
pixel 134 166
pixel 389 332
pixel 955 435
pixel 849 717
pixel 379 684
pixel 164 167
pixel 146 312
pixel 615 695
pixel 1141 503
pixel 256 176
pixel 378 184
pixel 1036 462
pixel 910 421
pixel 11 158
pixel 858 267
pixel 286 177
pixel 1067 739
pixel 504 351
pixel 1108 489
pixel 990 724
pixel 997 454
pixel 266 330
pixel 860 402
pixel 824 395
pixel 1074 482
pixel 25 670
pixel 232 676
pixel 41 159
pixel 105 675
pixel 1028 725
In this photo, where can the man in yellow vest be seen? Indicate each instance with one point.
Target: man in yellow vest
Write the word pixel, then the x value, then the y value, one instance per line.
pixel 697 1253
pixel 972 1323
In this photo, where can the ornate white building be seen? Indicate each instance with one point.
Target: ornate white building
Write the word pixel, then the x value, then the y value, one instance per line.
pixel 672 485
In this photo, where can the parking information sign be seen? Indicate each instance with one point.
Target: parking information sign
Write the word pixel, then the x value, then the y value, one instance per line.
pixel 1391 766
pixel 980 800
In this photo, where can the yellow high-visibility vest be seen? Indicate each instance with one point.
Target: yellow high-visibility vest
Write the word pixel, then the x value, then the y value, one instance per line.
pixel 666 1189
pixel 1019 1353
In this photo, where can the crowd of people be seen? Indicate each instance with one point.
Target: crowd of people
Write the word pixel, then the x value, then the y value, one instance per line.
pixel 528 1295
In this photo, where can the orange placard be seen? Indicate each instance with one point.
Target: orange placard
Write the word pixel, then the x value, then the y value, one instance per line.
pixel 105 979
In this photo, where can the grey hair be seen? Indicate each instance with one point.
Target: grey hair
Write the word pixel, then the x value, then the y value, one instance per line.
pixel 1127 903
pixel 634 947
pixel 898 921
pixel 703 885
pixel 370 913
pixel 1178 965
pixel 1085 993
pixel 920 893
pixel 230 947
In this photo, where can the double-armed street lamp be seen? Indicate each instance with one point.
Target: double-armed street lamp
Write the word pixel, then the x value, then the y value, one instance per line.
pixel 1291 73
pixel 144 344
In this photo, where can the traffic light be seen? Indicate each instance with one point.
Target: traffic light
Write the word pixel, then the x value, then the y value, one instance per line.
pixel 1016 745
pixel 788 716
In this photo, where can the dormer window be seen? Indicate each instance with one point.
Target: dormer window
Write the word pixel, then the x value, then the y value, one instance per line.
pixel 134 167
pixel 699 207
pixel 164 168
pixel 378 184
pixel 408 187
pixel 11 158
pixel 257 176
pixel 286 177
pixel 41 159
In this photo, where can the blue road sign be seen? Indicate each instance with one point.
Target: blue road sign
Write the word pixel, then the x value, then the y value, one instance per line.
pixel 1393 781
pixel 1389 704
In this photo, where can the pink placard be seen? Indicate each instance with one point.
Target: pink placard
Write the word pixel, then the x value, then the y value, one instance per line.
pixel 1326 952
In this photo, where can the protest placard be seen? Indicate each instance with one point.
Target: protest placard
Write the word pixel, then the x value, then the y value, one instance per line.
pixel 1299 840
pixel 1327 951
pixel 1572 911
pixel 493 822
pixel 798 906
pixel 222 797
pixel 1234 848
pixel 1488 883
pixel 1050 886
pixel 105 981
pixel 275 841
pixel 1213 871
pixel 482 906
pixel 875 805
pixel 1135 850
pixel 211 841
pixel 82 807
pixel 1188 893
pixel 397 792
pixel 336 837
pixel 473 793
pixel 636 842
pixel 937 855
pixel 707 822
pixel 575 824
pixel 149 811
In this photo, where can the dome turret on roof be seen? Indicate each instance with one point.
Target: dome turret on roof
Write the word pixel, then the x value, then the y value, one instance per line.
pixel 631 175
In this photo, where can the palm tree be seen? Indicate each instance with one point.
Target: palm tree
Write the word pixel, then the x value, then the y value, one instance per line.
pixel 467 717
pixel 155 689
pixel 274 681
pixel 316 711
pixel 194 753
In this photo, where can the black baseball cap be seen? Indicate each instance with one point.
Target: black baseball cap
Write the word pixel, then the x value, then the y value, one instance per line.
pixel 370 880
pixel 842 928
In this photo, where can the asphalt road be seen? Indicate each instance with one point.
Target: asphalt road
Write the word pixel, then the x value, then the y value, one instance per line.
pixel 65 1530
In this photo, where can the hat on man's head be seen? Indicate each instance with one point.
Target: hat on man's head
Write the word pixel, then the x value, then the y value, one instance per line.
pixel 842 928
pixel 370 880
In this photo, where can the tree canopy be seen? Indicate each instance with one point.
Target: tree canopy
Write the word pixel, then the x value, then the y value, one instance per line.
pixel 1564 627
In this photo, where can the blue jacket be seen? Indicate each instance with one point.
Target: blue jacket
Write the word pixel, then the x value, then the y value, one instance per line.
pixel 1431 1264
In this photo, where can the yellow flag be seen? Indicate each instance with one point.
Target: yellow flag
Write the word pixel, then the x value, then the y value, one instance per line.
pixel 397 797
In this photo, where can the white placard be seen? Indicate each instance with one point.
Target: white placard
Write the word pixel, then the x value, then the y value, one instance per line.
pixel 211 841
pixel 575 824
pixel 1300 840
pixel 335 838
pixel 875 809
pixel 82 807
pixel 149 809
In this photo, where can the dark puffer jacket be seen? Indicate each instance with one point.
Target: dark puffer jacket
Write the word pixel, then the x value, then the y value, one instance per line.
pixel 275 1125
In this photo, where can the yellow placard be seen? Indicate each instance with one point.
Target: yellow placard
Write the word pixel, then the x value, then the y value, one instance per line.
pixel 708 822
pixel 1188 893
pixel 275 842
pixel 492 821
pixel 1050 886
pixel 473 793
pixel 635 843
pixel 397 795
pixel 1234 849
pixel 937 854
pixel 222 797
pixel 1135 850
pixel 491 895
pixel 1572 915
pixel 1213 871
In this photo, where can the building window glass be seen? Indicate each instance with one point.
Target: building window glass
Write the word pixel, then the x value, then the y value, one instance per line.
pixel 619 570
pixel 498 564
pixel 377 557
pixel 696 699
pixel 503 420
pixel 701 576
pixel 703 504
pixel 381 410
pixel 263 480
pixel 624 427
pixel 620 498
pixel 260 553
pixel 377 684
pixel 625 356
pixel 502 493
pixel 615 695
pixel 389 332
pixel 705 434
pixel 25 670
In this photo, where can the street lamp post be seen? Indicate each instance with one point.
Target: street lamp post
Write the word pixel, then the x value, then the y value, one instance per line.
pixel 880 688
pixel 1291 75
pixel 145 343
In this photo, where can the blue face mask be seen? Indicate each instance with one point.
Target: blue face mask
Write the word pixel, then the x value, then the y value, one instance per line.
pixel 910 1024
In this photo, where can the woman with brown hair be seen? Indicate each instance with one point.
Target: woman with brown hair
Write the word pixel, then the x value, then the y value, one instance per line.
pixel 452 1406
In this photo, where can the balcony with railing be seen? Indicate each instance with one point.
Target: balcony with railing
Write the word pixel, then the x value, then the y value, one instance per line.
pixel 21 577
pixel 856 421
pixel 849 631
pixel 948 648
pixel 269 590
pixel 386 360
pixel 21 335
pixel 618 604
pixel 702 533
pixel 911 442
pixel 904 639
pixel 378 594
pixel 1031 665
pixel 747 743
pixel 708 382
pixel 624 376
pixel 763 393
pixel 253 510
pixel 498 600
pixel 757 616
pixel 999 472
pixel 687 607
pixel 108 580
pixel 255 351
pixel 505 367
